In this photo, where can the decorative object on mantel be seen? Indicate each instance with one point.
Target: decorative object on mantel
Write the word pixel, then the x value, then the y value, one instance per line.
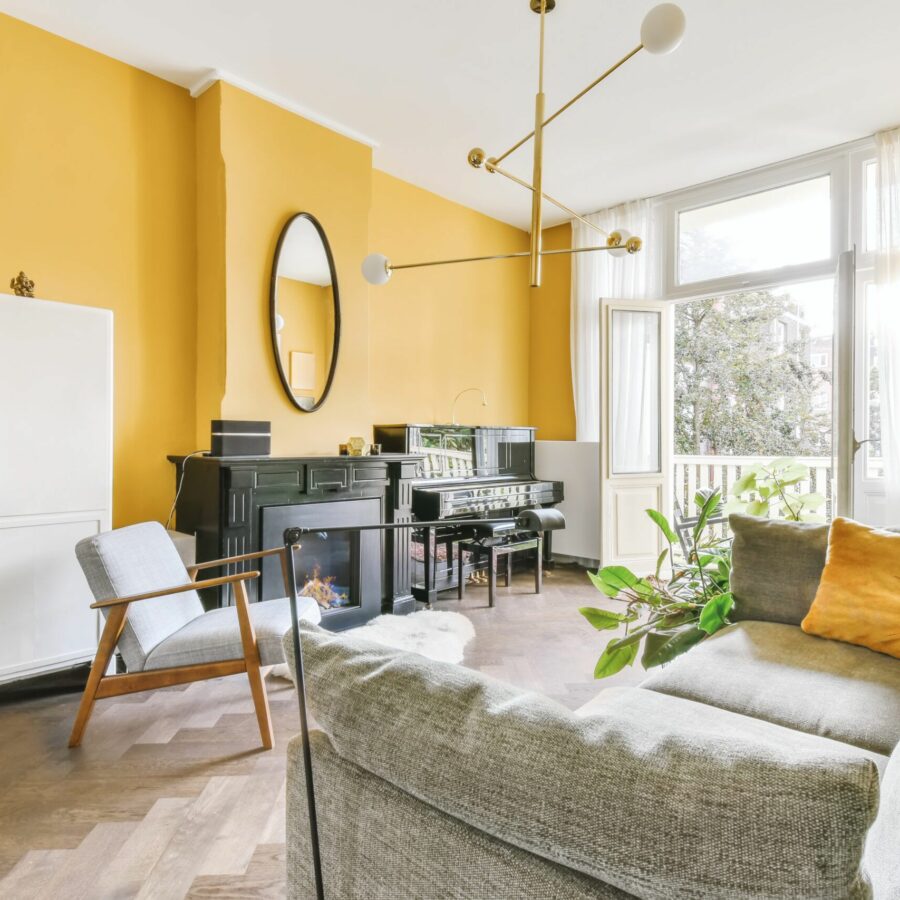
pixel 22 285
pixel 374 449
pixel 661 32
pixel 355 446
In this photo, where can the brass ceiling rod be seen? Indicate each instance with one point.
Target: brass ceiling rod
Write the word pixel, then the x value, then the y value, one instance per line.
pixel 571 102
pixel 490 165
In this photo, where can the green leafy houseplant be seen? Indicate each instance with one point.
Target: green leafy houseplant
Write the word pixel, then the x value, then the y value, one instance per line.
pixel 765 490
pixel 666 616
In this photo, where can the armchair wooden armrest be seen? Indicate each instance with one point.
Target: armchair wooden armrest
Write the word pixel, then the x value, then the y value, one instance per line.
pixel 213 563
pixel 177 589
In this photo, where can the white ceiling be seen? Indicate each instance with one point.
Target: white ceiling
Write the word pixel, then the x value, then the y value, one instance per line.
pixel 755 81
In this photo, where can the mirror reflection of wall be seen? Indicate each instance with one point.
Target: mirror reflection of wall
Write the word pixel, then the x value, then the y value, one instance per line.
pixel 305 312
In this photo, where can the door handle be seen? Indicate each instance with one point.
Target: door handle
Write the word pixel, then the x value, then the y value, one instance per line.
pixel 858 444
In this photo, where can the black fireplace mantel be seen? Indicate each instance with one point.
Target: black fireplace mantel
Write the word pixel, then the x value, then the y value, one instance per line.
pixel 223 502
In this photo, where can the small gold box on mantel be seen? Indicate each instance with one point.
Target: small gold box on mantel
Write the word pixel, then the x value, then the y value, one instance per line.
pixel 356 446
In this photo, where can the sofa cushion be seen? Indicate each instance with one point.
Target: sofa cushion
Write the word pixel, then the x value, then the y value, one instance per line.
pixel 858 600
pixel 776 567
pixel 652 705
pixel 778 673
pixel 216 635
pixel 660 808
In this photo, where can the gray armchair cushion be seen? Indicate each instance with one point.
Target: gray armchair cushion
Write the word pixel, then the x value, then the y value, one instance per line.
pixel 662 807
pixel 216 636
pixel 778 673
pixel 135 560
pixel 776 567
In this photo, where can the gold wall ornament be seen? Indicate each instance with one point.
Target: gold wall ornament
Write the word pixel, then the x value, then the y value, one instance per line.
pixel 22 285
pixel 662 30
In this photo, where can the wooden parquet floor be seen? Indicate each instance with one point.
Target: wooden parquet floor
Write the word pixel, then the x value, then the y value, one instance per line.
pixel 171 796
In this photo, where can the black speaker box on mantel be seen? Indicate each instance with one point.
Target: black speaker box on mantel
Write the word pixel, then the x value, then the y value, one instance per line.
pixel 233 438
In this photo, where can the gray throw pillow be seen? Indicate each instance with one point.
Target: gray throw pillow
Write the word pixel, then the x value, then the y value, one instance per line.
pixel 776 567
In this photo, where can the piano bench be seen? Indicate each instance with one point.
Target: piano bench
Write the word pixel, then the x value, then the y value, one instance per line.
pixel 493 542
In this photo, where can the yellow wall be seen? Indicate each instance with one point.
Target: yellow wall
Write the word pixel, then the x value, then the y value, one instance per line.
pixel 437 331
pixel 118 190
pixel 97 206
pixel 277 164
pixel 551 407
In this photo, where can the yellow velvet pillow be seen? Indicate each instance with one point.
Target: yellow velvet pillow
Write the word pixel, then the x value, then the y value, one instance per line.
pixel 858 600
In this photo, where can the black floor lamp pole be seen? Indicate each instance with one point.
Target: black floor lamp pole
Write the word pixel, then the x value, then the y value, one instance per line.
pixel 290 538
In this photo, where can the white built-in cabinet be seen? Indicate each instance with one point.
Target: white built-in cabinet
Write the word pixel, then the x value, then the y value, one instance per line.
pixel 56 392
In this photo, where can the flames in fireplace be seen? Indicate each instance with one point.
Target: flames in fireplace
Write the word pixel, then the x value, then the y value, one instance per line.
pixel 324 590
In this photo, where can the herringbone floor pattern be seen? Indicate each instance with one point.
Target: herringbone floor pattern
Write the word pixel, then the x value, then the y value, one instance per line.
pixel 171 796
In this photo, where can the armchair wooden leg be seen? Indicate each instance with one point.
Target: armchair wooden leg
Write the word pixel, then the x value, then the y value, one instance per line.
pixel 254 671
pixel 112 631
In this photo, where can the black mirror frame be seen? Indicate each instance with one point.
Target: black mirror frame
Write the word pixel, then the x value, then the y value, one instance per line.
pixel 273 291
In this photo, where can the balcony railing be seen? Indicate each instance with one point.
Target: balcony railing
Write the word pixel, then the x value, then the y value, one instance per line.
pixel 695 472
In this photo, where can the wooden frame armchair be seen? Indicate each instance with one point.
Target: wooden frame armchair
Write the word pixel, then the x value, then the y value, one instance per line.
pixel 161 629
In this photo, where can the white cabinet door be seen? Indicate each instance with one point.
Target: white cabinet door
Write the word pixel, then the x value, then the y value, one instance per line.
pixel 636 434
pixel 55 478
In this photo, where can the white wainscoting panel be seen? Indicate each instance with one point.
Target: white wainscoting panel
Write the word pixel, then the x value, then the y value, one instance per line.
pixel 577 465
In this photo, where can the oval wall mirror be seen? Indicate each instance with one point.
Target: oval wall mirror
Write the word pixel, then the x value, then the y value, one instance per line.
pixel 304 312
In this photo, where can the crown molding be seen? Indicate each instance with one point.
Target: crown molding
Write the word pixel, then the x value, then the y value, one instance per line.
pixel 211 76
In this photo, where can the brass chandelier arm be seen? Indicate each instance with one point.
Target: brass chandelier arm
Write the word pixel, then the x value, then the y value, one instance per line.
pixel 574 100
pixel 491 166
pixel 520 255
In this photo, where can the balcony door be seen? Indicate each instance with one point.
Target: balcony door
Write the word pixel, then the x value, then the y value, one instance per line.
pixel 636 463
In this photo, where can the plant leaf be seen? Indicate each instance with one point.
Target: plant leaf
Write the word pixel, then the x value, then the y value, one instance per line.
pixel 614 659
pixel 758 508
pixel 612 580
pixel 811 501
pixel 660 561
pixel 747 482
pixel 663 647
pixel 714 614
pixel 663 524
pixel 603 619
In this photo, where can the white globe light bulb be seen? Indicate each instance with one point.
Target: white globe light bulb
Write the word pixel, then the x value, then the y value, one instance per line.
pixel 376 269
pixel 663 28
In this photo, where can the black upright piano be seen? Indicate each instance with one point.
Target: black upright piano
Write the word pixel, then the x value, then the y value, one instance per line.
pixel 466 472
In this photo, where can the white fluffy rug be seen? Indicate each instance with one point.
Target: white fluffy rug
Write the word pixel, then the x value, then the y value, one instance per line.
pixel 441 636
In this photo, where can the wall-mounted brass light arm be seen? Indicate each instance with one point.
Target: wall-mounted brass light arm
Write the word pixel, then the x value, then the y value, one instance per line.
pixel 661 32
pixel 378 269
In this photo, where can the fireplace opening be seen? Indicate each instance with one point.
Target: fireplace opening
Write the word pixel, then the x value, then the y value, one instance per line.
pixel 340 570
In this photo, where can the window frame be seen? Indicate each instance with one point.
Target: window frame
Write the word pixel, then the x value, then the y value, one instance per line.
pixel 844 165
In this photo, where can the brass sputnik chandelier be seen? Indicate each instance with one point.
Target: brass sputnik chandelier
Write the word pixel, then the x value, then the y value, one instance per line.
pixel 661 32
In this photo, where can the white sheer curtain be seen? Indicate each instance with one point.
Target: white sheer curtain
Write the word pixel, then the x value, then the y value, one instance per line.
pixel 887 279
pixel 597 276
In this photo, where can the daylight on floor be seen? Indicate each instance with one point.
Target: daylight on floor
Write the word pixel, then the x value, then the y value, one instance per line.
pixel 450 455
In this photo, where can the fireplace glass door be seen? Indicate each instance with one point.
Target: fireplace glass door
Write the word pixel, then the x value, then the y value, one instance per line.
pixel 340 570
